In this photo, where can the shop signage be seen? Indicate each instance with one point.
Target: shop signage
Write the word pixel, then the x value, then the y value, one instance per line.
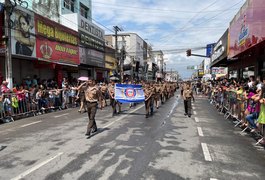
pixel 23 32
pixel 220 49
pixel 55 42
pixel 90 28
pixel 89 41
pixel 247 28
pixel 91 57
pixel 200 72
pixel 91 36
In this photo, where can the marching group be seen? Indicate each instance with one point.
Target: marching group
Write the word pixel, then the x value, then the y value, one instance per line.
pixel 93 96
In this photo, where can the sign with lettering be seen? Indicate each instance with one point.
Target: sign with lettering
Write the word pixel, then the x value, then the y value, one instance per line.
pixel 247 28
pixel 91 36
pixel 87 26
pixel 55 42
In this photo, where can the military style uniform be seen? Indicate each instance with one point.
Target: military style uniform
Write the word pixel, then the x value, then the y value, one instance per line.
pixel 113 102
pixel 187 96
pixel 148 96
pixel 92 95
pixel 103 90
pixel 163 93
pixel 157 94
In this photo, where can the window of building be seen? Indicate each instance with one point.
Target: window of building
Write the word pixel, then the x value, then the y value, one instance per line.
pixel 138 46
pixel 84 10
pixel 69 4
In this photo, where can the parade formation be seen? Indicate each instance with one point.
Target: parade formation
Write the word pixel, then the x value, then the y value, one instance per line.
pixel 96 95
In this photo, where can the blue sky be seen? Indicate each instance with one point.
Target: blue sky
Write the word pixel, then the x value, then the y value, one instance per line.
pixel 170 24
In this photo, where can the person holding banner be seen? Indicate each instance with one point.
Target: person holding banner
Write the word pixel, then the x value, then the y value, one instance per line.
pixel 92 96
pixel 113 102
pixel 148 92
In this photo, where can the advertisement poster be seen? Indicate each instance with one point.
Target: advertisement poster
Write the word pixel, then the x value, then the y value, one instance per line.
pixel 23 32
pixel 55 42
pixel 247 28
pixel 127 93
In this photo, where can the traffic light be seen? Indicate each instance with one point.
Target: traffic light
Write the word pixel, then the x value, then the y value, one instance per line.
pixel 188 52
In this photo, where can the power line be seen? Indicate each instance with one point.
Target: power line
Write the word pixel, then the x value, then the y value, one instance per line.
pixel 213 17
pixel 134 8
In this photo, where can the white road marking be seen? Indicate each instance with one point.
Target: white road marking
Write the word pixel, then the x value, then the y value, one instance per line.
pixel 200 131
pixel 194 112
pixel 206 152
pixel 34 168
pixel 213 179
pixel 25 125
pixel 61 115
pixel 197 120
pixel 193 108
pixel 120 118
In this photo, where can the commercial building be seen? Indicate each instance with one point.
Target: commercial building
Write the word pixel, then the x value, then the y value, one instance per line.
pixel 158 66
pixel 135 54
pixel 246 45
pixel 41 47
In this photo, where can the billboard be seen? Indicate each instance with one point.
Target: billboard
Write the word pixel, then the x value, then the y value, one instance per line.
pixel 247 28
pixel 55 42
pixel 23 32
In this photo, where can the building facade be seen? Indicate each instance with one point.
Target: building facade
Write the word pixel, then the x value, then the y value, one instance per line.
pixel 135 54
pixel 158 65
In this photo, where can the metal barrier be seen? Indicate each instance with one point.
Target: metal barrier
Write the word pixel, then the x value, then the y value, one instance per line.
pixel 232 105
pixel 24 104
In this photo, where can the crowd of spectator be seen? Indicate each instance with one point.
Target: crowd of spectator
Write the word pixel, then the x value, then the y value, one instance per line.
pixel 243 100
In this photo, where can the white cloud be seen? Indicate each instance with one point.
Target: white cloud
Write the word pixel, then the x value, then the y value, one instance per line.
pixel 170 24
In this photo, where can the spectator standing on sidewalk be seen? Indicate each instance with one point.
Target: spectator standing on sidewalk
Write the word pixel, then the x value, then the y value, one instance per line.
pixel 187 96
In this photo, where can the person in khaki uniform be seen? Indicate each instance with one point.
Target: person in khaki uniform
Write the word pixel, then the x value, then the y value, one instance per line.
pixel 148 96
pixel 167 90
pixel 92 96
pixel 153 88
pixel 187 96
pixel 163 92
pixel 113 102
pixel 157 94
pixel 104 89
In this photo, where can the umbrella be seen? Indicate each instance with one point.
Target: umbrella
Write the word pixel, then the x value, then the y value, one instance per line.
pixel 113 78
pixel 83 78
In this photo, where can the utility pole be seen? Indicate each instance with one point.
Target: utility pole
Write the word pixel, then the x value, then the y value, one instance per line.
pixel 116 29
pixel 8 52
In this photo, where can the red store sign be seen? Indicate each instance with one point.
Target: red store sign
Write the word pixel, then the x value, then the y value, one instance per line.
pixel 247 28
pixel 55 42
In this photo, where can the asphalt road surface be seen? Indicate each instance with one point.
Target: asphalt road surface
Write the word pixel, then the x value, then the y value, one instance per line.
pixel 166 146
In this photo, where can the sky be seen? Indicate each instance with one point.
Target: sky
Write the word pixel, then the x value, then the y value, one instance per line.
pixel 170 25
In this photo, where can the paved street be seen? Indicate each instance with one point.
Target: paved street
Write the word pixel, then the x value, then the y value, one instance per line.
pixel 129 146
